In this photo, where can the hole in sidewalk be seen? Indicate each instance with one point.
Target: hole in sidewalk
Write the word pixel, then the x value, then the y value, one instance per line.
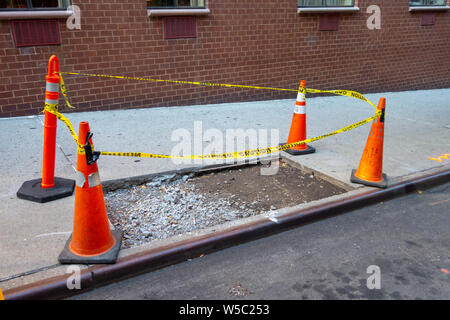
pixel 170 205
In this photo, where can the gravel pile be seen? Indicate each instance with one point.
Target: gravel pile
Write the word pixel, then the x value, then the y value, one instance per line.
pixel 173 204
pixel 168 206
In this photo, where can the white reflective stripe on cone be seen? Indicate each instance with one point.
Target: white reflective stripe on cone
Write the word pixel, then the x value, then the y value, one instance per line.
pixel 300 110
pixel 93 179
pixel 80 180
pixel 49 101
pixel 52 87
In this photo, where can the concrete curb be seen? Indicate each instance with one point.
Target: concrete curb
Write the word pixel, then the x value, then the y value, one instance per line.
pixel 56 287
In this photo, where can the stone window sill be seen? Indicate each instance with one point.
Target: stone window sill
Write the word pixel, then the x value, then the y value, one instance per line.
pixel 177 12
pixel 35 14
pixel 326 9
pixel 429 8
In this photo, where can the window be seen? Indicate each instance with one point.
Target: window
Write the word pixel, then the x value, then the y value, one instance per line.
pixel 183 4
pixel 162 8
pixel 427 2
pixel 33 4
pixel 326 3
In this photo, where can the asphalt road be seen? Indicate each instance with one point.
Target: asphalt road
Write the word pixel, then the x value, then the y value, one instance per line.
pixel 407 238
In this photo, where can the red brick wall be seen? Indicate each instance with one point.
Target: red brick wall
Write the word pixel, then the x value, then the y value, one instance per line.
pixel 252 42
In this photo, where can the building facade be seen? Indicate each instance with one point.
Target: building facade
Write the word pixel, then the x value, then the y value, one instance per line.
pixel 362 45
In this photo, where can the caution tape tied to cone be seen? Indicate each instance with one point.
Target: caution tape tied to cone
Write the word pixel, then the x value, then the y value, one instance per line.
pixel 231 155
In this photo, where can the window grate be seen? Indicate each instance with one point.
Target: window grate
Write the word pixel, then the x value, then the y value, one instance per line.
pixel 428 19
pixel 178 27
pixel 328 22
pixel 27 33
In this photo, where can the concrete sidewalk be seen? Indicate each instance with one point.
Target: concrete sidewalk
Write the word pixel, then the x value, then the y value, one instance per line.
pixel 32 235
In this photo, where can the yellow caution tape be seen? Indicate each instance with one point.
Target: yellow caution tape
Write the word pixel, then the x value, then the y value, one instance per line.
pixel 231 155
pixel 53 109
pixel 64 92
pixel 242 154
pixel 346 93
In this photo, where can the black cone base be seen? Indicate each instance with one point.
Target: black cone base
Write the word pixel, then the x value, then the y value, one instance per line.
pixel 31 190
pixel 109 257
pixel 382 184
pixel 300 152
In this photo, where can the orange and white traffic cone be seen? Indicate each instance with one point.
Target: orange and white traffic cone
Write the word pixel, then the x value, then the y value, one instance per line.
pixel 298 126
pixel 49 187
pixel 370 170
pixel 92 241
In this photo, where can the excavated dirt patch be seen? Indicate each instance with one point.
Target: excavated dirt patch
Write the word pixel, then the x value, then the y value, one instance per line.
pixel 173 204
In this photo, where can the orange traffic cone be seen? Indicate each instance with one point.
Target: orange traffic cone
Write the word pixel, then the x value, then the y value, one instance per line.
pixel 370 170
pixel 298 125
pixel 49 187
pixel 91 241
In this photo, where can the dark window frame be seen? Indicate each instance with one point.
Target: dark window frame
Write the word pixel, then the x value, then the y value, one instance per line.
pixel 324 5
pixel 425 3
pixel 178 7
pixel 30 7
